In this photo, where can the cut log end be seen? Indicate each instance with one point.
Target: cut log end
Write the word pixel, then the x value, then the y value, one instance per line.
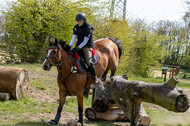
pixel 22 84
pixel 182 103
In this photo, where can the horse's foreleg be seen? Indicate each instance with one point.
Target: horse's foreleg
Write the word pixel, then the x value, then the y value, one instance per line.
pixel 80 107
pixel 62 96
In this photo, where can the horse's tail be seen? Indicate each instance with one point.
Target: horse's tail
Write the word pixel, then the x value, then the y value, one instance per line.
pixel 118 43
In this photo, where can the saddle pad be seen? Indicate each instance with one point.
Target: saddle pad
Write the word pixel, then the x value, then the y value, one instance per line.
pixel 81 64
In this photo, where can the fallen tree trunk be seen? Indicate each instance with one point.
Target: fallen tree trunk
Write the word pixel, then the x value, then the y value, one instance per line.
pixel 14 81
pixel 129 96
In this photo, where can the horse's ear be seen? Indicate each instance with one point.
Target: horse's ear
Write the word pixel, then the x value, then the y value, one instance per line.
pixel 67 48
pixel 50 40
pixel 55 40
pixel 62 43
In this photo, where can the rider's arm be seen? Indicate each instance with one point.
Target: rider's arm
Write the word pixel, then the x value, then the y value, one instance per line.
pixel 73 37
pixel 84 42
pixel 73 40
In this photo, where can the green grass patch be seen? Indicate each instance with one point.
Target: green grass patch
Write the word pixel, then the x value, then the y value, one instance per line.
pixel 16 108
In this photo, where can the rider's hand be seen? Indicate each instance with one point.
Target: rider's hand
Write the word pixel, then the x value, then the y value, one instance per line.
pixel 74 49
pixel 77 48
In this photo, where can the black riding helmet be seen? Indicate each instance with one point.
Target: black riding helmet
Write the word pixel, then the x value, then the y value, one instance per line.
pixel 80 16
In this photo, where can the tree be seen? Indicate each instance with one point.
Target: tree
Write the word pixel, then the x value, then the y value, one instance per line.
pixel 145 50
pixel 176 43
pixel 186 58
pixel 141 50
pixel 27 24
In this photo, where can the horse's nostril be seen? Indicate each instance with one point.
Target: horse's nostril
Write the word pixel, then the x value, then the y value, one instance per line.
pixel 45 67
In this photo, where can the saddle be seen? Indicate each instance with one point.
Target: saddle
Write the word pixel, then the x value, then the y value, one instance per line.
pixel 80 63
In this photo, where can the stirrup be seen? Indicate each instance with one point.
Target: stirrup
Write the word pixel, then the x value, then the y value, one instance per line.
pixel 74 69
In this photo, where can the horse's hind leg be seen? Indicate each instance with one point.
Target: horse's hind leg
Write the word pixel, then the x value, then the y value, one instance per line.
pixel 112 75
pixel 80 106
pixel 105 74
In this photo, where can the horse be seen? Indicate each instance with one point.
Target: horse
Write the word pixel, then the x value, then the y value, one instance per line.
pixel 109 51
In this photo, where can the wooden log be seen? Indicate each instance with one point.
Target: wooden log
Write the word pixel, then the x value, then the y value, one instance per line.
pixel 4 96
pixel 129 95
pixel 14 81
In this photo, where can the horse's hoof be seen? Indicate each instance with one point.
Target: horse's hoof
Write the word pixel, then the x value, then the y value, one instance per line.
pixel 52 122
pixel 44 122
pixel 74 123
pixel 112 79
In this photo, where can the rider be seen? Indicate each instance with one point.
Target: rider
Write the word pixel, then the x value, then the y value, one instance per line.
pixel 83 31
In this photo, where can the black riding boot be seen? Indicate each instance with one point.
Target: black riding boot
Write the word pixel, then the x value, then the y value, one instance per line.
pixel 93 72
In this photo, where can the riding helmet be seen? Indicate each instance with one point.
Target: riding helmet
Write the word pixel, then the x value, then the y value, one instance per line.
pixel 80 16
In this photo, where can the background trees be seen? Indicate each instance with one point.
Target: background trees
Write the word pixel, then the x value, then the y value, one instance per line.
pixel 26 25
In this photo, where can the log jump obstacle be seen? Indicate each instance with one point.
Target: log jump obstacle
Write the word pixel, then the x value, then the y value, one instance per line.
pixel 129 95
pixel 13 82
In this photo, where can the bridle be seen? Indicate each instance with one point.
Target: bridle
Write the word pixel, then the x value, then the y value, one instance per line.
pixel 54 58
pixel 59 65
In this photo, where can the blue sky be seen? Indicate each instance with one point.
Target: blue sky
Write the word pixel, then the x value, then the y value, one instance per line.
pixel 149 10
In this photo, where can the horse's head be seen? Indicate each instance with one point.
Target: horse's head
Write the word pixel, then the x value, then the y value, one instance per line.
pixel 52 54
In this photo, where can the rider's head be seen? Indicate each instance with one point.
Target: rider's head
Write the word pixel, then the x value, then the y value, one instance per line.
pixel 80 18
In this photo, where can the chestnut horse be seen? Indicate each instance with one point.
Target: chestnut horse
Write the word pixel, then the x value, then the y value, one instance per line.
pixel 109 51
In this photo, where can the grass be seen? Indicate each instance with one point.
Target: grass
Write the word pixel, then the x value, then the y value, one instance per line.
pixel 28 111
pixel 12 111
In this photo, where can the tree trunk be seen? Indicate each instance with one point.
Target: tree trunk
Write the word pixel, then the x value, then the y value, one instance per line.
pixel 129 96
pixel 14 81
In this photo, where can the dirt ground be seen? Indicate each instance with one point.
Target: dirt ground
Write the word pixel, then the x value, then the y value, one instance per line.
pixel 43 95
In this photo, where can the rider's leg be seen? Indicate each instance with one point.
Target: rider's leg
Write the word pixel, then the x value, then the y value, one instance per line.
pixel 88 58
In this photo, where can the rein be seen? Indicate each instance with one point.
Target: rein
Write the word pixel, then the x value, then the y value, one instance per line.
pixel 59 65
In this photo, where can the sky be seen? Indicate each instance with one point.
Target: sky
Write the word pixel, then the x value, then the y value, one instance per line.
pixel 155 10
pixel 148 10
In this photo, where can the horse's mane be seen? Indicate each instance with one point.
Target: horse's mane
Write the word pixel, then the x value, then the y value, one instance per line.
pixel 65 46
